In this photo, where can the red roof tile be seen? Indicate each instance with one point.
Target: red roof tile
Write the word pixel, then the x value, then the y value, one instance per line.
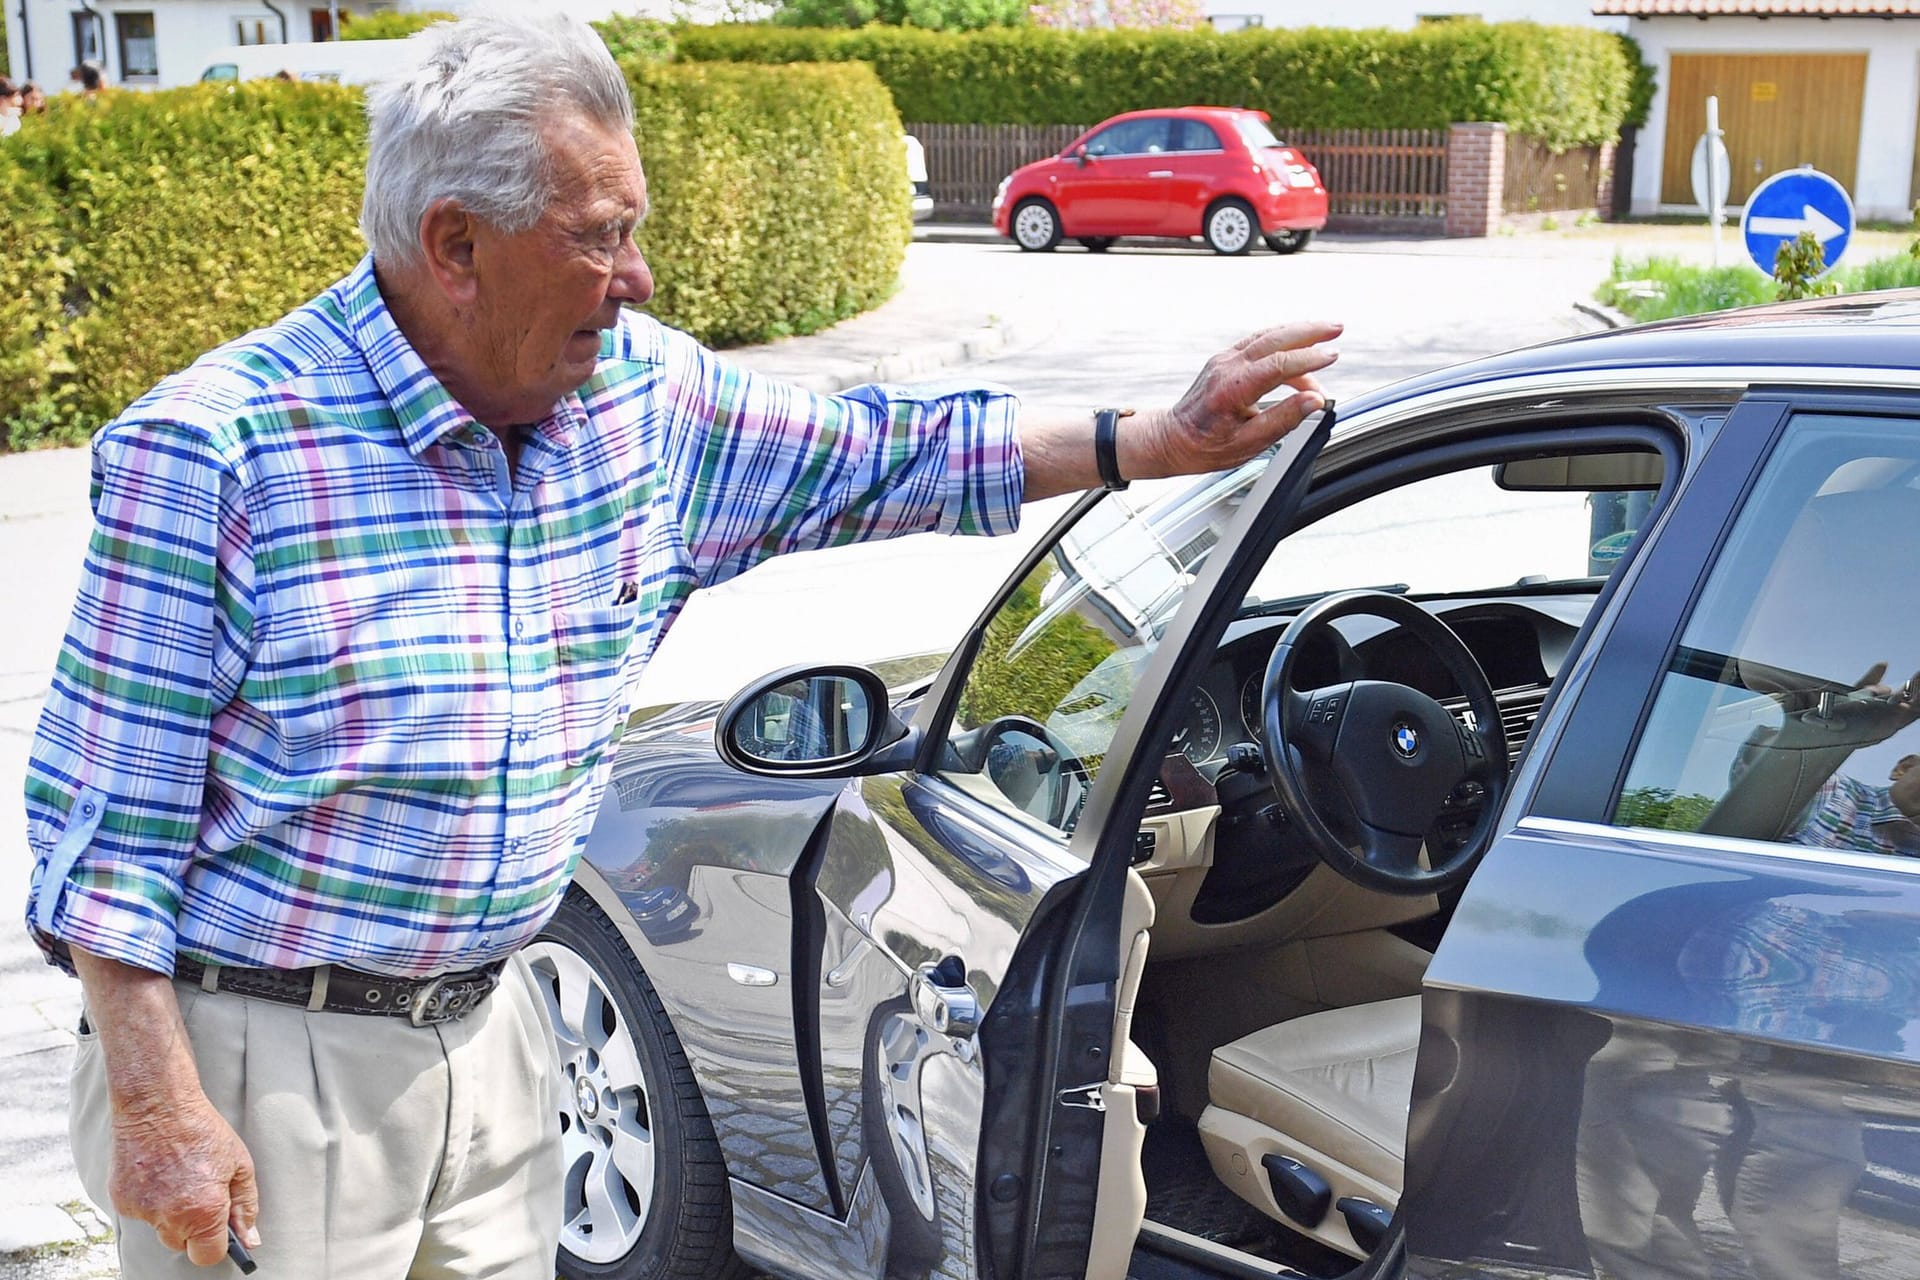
pixel 1759 8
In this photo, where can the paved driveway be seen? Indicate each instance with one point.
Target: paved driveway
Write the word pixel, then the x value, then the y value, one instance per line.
pixel 1128 327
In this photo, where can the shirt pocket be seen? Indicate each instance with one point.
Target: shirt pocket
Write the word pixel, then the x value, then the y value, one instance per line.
pixel 591 649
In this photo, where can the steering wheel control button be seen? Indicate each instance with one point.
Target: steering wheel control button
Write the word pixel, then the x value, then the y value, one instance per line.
pixel 1406 740
pixel 1325 710
pixel 1470 743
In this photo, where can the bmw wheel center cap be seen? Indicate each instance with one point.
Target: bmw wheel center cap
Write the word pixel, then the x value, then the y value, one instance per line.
pixel 1406 741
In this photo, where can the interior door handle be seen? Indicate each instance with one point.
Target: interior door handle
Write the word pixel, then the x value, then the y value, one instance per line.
pixel 1159 173
pixel 943 1000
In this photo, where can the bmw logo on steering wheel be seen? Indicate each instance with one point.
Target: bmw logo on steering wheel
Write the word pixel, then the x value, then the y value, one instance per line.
pixel 1406 741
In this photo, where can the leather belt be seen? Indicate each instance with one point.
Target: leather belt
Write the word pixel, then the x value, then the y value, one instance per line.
pixel 327 987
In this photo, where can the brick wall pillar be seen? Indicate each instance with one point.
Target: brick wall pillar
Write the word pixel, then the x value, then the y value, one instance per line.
pixel 1609 158
pixel 1476 178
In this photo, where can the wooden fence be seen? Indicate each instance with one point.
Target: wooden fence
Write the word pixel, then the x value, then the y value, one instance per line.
pixel 1376 178
pixel 1540 181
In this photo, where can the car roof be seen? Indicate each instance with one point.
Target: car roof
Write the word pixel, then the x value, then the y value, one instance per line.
pixel 1879 330
pixel 1195 111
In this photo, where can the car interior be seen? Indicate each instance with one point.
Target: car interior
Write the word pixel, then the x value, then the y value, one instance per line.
pixel 1269 1005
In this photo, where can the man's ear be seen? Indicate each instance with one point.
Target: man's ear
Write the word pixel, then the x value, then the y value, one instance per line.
pixel 447 233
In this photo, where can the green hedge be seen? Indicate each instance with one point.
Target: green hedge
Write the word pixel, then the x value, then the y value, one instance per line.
pixel 780 202
pixel 143 229
pixel 1567 85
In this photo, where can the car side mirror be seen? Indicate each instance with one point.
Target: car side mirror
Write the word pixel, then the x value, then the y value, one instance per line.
pixel 812 721
pixel 1080 156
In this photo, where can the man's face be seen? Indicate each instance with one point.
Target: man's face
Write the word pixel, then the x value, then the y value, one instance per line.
pixel 1905 791
pixel 545 294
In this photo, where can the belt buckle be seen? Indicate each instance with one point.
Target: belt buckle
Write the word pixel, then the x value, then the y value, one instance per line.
pixel 425 997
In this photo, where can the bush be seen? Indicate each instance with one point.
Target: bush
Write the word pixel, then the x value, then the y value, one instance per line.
pixel 780 202
pixel 391 25
pixel 1567 85
pixel 642 39
pixel 144 229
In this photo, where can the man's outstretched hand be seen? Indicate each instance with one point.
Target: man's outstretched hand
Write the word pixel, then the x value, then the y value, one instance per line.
pixel 1228 415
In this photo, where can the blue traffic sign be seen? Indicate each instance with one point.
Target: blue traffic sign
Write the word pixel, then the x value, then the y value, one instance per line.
pixel 1793 201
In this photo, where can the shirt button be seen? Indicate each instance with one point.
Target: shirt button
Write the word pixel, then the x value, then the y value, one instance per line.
pixel 86 809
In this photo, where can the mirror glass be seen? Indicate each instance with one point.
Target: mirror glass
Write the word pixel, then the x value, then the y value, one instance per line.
pixel 806 721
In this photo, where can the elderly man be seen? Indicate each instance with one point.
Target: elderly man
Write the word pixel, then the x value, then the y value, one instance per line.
pixel 364 597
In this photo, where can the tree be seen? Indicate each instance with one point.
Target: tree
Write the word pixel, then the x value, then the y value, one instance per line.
pixel 1166 15
pixel 932 15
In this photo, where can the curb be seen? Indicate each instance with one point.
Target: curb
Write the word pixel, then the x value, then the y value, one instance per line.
pixel 30 1228
pixel 1609 316
pixel 912 363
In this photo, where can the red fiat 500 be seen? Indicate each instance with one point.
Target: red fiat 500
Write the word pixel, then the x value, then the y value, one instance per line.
pixel 1216 172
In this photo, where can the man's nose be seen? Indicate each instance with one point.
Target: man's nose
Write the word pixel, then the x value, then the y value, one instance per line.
pixel 632 280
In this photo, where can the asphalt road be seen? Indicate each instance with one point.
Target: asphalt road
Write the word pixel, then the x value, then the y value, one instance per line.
pixel 1128 327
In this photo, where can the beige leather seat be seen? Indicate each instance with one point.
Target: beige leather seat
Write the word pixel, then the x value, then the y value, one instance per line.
pixel 1330 1090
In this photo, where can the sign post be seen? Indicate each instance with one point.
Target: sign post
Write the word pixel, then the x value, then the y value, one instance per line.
pixel 1793 201
pixel 1712 174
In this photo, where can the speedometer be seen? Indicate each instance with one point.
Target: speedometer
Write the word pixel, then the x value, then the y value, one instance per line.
pixel 1200 740
pixel 1250 703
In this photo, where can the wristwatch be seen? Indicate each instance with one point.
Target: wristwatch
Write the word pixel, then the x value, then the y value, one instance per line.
pixel 1106 452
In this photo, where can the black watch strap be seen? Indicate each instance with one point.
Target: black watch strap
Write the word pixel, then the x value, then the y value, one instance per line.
pixel 1106 451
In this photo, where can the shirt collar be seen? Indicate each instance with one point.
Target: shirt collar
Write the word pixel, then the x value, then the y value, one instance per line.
pixel 424 408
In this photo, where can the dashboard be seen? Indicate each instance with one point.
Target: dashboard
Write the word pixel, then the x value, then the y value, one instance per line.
pixel 1519 643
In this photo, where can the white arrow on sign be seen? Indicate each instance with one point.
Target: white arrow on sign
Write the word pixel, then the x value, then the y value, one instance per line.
pixel 1811 219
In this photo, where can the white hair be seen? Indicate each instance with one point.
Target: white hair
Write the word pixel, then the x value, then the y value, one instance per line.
pixel 464 122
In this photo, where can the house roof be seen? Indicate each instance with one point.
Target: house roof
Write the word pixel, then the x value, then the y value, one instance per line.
pixel 1758 8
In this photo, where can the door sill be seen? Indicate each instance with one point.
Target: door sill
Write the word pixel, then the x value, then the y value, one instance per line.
pixel 1204 1257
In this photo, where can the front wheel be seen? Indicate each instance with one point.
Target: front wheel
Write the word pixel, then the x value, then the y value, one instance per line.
pixel 1230 227
pixel 1036 227
pixel 1290 241
pixel 645 1183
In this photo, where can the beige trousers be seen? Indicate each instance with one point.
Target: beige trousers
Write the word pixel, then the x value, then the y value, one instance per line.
pixel 383 1150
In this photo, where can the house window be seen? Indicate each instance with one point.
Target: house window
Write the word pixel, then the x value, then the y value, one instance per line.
pixel 133 34
pixel 254 30
pixel 86 38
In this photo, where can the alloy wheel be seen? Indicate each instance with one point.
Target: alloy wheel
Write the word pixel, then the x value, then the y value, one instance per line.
pixel 606 1126
pixel 1229 230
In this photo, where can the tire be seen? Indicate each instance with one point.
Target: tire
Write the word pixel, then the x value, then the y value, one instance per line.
pixel 1289 241
pixel 1230 227
pixel 902 1168
pixel 1098 244
pixel 1035 225
pixel 642 1120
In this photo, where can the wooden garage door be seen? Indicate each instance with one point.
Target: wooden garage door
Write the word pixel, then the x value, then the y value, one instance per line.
pixel 1778 111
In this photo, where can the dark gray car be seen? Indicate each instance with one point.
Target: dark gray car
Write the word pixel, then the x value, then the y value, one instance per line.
pixel 1472 842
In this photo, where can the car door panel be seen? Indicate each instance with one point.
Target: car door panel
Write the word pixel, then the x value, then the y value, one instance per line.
pixel 915 873
pixel 1700 1107
pixel 707 886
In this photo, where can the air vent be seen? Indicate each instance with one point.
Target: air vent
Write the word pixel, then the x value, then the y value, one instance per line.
pixel 1519 708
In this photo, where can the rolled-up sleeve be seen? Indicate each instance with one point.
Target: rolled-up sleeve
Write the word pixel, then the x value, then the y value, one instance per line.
pixel 161 630
pixel 761 467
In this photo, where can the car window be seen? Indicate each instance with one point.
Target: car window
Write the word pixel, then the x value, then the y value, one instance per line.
pixel 1057 665
pixel 1254 132
pixel 1193 135
pixel 1787 711
pixel 1130 138
pixel 1059 662
pixel 1456 532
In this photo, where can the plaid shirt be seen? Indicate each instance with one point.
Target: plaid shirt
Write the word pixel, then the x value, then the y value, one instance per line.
pixel 338 688
pixel 1848 814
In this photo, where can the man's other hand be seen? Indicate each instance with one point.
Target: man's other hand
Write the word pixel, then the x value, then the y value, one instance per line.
pixel 187 1173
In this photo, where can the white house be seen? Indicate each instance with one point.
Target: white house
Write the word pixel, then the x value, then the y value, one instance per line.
pixel 1830 83
pixel 1231 15
pixel 161 43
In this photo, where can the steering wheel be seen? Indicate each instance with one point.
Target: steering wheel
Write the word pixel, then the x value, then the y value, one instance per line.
pixel 1367 768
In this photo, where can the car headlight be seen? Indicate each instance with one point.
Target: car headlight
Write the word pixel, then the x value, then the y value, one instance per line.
pixel 1000 192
